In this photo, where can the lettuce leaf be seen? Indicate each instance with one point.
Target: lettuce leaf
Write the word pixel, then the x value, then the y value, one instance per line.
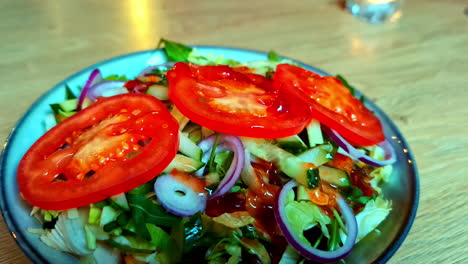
pixel 304 215
pixel 368 219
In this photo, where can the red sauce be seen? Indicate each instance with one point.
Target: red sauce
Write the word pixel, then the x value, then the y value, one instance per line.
pixel 228 203
pixel 360 178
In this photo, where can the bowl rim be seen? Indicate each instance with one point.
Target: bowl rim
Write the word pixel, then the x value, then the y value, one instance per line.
pixel 37 257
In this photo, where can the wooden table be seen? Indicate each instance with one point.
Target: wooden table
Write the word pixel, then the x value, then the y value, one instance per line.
pixel 416 70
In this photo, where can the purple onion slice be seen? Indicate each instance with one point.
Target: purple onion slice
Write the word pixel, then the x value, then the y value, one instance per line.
pixel 226 142
pixel 150 69
pixel 178 198
pixel 305 249
pixel 100 88
pixel 94 78
pixel 390 156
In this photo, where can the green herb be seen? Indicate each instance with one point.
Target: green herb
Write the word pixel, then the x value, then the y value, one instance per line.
pixel 68 93
pixel 273 56
pixel 142 189
pixel 175 51
pixel 193 232
pixel 356 195
pixel 333 241
pixel 223 162
pixel 210 166
pixel 317 242
pixel 338 218
pixel 346 84
pixel 362 99
pixel 144 211
pixel 249 232
pixel 115 77
pixel 159 237
pixel 312 178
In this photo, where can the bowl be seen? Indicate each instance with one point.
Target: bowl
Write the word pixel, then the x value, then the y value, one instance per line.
pixel 377 247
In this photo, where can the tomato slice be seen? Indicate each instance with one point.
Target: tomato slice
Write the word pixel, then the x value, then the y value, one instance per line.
pixel 114 145
pixel 331 104
pixel 234 101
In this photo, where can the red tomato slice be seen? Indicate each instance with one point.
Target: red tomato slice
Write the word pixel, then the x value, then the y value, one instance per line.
pixel 331 104
pixel 233 101
pixel 114 145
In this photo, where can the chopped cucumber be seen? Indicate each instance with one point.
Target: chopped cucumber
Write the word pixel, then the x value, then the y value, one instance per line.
pixel 120 200
pixel 90 238
pixel 291 165
pixel 159 91
pixel 334 176
pixel 293 144
pixel 94 215
pixel 184 164
pixel 187 147
pixel 108 215
pixel 302 194
pixel 318 155
pixel 314 133
pixel 68 105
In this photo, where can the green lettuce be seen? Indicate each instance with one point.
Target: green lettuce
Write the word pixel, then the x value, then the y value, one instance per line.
pixel 304 215
pixel 368 219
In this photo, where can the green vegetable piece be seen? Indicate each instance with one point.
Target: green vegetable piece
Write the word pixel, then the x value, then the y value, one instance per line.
pixel 115 77
pixel 94 215
pixel 144 211
pixel 108 215
pixel 273 56
pixel 90 238
pixel 68 93
pixel 334 235
pixel 346 84
pixel 175 51
pixel 223 162
pixel 111 226
pixel 210 165
pixel 159 237
pixel 142 189
pixel 312 178
pixel 130 244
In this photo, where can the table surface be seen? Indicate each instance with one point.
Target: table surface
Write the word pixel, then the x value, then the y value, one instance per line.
pixel 415 69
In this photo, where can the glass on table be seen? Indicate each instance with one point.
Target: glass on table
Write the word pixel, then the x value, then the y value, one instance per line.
pixel 375 11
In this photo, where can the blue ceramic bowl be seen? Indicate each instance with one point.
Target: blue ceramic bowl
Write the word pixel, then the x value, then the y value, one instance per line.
pixel 403 188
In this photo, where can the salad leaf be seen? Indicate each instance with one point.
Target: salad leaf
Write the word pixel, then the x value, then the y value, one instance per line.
pixel 193 232
pixel 346 84
pixel 115 77
pixel 370 217
pixel 68 93
pixel 380 175
pixel 304 215
pixel 312 178
pixel 273 56
pixel 144 211
pixel 142 189
pixel 210 59
pixel 223 161
pixel 175 51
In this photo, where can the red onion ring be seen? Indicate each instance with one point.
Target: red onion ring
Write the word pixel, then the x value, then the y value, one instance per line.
pixel 94 78
pixel 226 142
pixel 150 69
pixel 390 156
pixel 306 250
pixel 178 198
pixel 98 89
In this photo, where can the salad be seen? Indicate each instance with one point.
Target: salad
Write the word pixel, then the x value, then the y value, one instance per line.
pixel 208 160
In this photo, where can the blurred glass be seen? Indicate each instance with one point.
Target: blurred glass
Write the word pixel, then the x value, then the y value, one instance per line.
pixel 375 11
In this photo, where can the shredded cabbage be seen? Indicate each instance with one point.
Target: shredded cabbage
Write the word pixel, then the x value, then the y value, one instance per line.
pixel 368 219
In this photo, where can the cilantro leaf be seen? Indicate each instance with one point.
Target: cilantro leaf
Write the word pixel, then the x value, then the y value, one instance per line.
pixel 175 51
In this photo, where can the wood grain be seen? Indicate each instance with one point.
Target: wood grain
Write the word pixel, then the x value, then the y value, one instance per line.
pixel 416 70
